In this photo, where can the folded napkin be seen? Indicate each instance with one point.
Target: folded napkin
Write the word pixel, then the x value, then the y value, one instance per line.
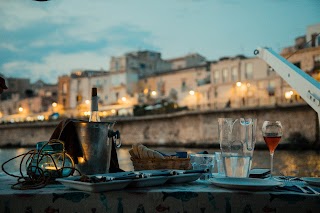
pixel 66 132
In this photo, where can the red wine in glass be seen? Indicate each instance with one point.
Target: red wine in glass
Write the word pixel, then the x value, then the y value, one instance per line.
pixel 272 132
pixel 272 142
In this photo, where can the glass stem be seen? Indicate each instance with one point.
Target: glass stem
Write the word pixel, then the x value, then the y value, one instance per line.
pixel 271 164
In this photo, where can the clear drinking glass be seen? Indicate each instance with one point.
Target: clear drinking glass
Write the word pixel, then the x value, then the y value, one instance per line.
pixel 272 133
pixel 203 161
pixel 220 166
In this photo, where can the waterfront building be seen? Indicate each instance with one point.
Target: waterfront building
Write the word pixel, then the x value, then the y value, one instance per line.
pixel 240 81
pixel 119 87
pixel 26 101
pixel 16 87
pixel 188 86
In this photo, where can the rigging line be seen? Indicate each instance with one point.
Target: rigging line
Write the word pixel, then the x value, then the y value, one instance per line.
pixel 303 46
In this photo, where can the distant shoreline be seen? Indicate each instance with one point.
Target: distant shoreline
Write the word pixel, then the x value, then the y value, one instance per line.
pixel 285 146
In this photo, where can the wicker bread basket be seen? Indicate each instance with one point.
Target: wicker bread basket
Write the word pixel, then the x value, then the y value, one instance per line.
pixel 156 163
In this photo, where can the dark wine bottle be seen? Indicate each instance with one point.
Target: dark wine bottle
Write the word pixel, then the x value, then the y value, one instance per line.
pixel 94 113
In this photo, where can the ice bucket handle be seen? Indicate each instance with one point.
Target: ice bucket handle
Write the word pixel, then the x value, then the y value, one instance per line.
pixel 115 135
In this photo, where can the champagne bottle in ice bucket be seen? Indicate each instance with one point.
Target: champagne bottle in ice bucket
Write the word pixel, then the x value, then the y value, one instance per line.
pixel 95 141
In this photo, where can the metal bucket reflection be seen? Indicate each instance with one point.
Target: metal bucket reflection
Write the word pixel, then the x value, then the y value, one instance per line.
pixel 96 146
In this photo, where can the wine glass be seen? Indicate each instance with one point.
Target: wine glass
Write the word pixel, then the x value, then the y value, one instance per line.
pixel 272 132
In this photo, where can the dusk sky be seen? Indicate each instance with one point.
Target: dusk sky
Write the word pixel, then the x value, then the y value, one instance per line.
pixel 44 40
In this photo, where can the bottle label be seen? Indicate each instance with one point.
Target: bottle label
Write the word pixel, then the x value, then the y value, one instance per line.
pixel 94 103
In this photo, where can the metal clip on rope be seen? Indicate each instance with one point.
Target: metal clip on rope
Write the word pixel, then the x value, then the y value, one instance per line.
pixel 115 135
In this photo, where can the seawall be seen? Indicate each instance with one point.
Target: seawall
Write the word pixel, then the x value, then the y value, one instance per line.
pixel 186 128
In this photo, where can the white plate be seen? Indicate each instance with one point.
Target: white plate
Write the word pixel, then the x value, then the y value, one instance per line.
pixel 73 182
pixel 184 178
pixel 312 180
pixel 149 181
pixel 245 183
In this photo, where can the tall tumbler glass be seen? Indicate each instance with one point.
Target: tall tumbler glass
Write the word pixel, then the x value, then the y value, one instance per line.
pixel 237 138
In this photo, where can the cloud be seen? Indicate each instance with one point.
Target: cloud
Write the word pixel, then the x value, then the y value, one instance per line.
pixel 45 40
pixel 10 47
pixel 56 64
pixel 19 14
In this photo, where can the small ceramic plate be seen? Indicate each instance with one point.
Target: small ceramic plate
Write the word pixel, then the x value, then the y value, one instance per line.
pixel 74 183
pixel 252 184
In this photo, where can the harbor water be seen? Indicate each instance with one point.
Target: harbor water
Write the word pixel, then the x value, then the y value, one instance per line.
pixel 288 162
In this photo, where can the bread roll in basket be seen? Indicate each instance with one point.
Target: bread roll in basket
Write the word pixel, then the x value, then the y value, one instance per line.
pixel 144 158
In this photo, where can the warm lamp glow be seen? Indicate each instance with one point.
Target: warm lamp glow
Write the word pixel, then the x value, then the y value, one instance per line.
pixel 153 93
pixel 288 95
pixel 20 109
pixel 124 99
pixel 191 92
pixel 87 102
pixel 51 168
pixel 80 159
pixel 54 104
pixel 238 84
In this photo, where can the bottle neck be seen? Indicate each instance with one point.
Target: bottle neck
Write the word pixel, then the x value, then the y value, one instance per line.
pixel 94 103
pixel 94 116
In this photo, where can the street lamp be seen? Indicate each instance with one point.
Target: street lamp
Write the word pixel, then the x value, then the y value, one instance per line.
pixel 288 95
pixel 192 92
pixel 154 93
pixel 243 88
pixel 238 84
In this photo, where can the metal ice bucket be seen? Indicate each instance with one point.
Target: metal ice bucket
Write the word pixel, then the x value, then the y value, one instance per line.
pixel 96 144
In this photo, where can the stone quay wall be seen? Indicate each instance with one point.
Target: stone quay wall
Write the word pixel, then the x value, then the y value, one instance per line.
pixel 187 128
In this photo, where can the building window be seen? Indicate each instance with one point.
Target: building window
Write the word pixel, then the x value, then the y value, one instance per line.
pixel 271 88
pixel 317 61
pixel 234 74
pixel 249 71
pixel 270 70
pixel 224 75
pixel 183 85
pixel 297 64
pixel 215 93
pixel 216 76
pixel 116 65
pixel 64 88
pixel 142 66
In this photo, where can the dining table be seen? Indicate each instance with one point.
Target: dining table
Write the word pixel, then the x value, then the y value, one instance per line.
pixel 200 195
